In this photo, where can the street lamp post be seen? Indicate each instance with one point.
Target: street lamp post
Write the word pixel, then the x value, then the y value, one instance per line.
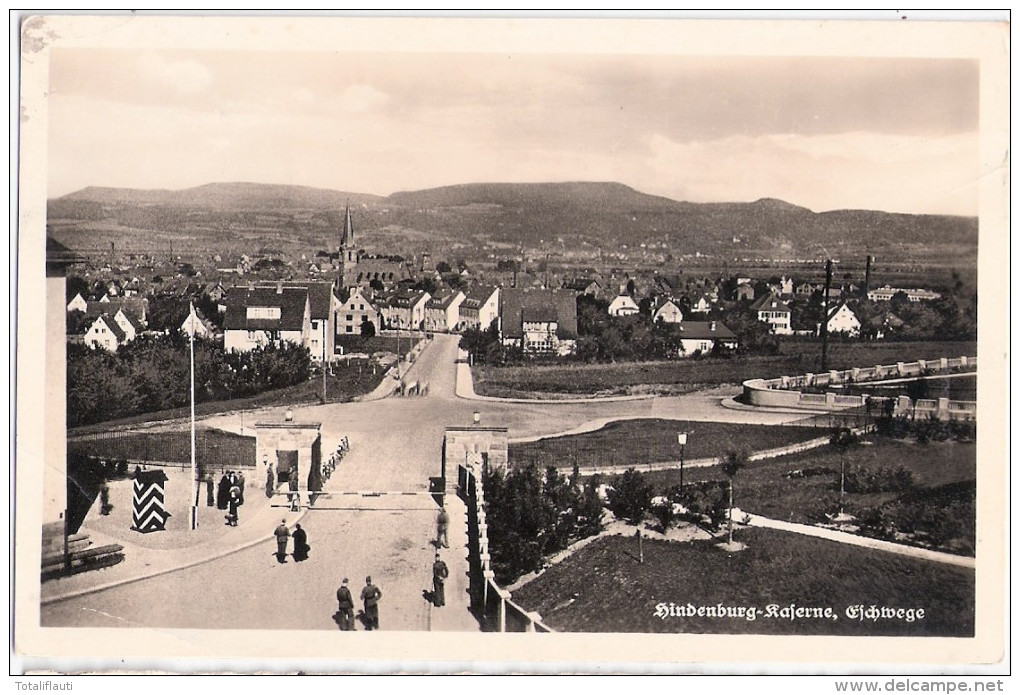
pixel 681 439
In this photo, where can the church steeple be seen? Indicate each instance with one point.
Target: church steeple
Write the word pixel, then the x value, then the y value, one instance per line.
pixel 348 253
pixel 347 238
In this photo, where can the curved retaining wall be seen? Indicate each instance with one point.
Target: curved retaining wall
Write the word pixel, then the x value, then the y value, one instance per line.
pixel 784 392
pixel 489 601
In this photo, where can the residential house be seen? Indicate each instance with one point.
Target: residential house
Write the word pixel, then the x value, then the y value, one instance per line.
pixel 261 316
pixel 479 308
pixel 886 293
pixel 405 309
pixel 321 316
pixel 805 289
pixel 442 312
pixel 775 312
pixel 78 304
pixel 623 305
pixel 198 324
pixel 784 287
pixel 842 319
pixel 354 307
pixel 583 285
pixel 131 326
pixel 666 310
pixel 106 334
pixel 744 291
pixel 538 321
pixel 702 337
pixel 702 304
pixel 136 308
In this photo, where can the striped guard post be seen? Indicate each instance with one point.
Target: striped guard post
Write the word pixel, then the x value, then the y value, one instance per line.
pixel 149 502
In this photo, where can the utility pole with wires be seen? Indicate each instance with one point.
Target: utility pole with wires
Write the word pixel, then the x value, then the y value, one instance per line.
pixel 825 315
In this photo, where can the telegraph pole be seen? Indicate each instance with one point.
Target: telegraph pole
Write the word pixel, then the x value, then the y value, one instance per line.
pixel 825 316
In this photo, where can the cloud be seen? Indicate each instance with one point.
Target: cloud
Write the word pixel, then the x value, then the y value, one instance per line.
pixel 897 173
pixel 182 76
pixel 361 98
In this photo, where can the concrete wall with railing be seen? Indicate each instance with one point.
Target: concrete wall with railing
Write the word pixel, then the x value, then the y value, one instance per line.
pixel 490 602
pixel 785 391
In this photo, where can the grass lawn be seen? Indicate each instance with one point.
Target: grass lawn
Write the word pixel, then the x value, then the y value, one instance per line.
pixel 612 592
pixel 945 474
pixel 377 343
pixel 679 376
pixel 636 442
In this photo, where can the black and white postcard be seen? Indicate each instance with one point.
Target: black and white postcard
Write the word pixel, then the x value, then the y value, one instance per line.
pixel 396 343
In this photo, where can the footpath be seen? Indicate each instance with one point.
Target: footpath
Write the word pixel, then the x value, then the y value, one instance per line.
pixel 142 560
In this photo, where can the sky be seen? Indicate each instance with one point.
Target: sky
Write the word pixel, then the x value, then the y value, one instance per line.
pixel 826 133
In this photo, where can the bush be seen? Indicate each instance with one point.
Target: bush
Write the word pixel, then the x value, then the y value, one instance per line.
pixel 706 503
pixel 665 513
pixel 630 497
pixel 874 522
pixel 861 480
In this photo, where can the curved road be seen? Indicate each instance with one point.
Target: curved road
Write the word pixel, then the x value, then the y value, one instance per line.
pixel 396 446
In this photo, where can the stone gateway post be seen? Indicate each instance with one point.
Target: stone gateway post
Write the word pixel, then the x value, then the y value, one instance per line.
pixel 294 449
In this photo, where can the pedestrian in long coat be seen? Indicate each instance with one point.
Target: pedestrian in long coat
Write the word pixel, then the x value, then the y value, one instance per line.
pixel 270 483
pixel 371 595
pixel 223 493
pixel 282 534
pixel 345 607
pixel 439 574
pixel 301 546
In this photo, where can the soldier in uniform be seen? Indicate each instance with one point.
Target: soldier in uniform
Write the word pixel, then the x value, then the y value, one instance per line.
pixel 345 607
pixel 439 574
pixel 282 534
pixel 371 595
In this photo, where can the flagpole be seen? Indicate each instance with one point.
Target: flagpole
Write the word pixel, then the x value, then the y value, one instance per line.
pixel 194 465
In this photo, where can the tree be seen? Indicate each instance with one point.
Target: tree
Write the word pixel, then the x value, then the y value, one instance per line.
pixel 731 464
pixel 367 328
pixel 630 497
pixel 76 285
pixel 443 267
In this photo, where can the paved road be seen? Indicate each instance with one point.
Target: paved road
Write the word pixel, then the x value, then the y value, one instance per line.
pixel 395 447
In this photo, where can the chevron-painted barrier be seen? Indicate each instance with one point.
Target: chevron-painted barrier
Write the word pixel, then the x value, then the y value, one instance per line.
pixel 149 502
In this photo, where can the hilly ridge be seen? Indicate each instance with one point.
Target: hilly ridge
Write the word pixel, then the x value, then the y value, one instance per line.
pixel 567 215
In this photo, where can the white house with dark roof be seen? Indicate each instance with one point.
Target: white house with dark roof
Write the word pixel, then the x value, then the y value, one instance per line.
pixel 405 309
pixel 261 316
pixel 702 304
pixel 623 305
pixel 321 306
pixel 772 310
pixel 886 293
pixel 354 306
pixel 701 337
pixel 199 324
pixel 104 333
pixel 538 321
pixel 479 308
pixel 665 310
pixel 442 312
pixel 78 304
pixel 842 319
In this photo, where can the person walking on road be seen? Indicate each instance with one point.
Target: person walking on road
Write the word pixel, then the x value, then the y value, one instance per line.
pixel 371 595
pixel 439 574
pixel 282 534
pixel 345 607
pixel 301 546
pixel 442 529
